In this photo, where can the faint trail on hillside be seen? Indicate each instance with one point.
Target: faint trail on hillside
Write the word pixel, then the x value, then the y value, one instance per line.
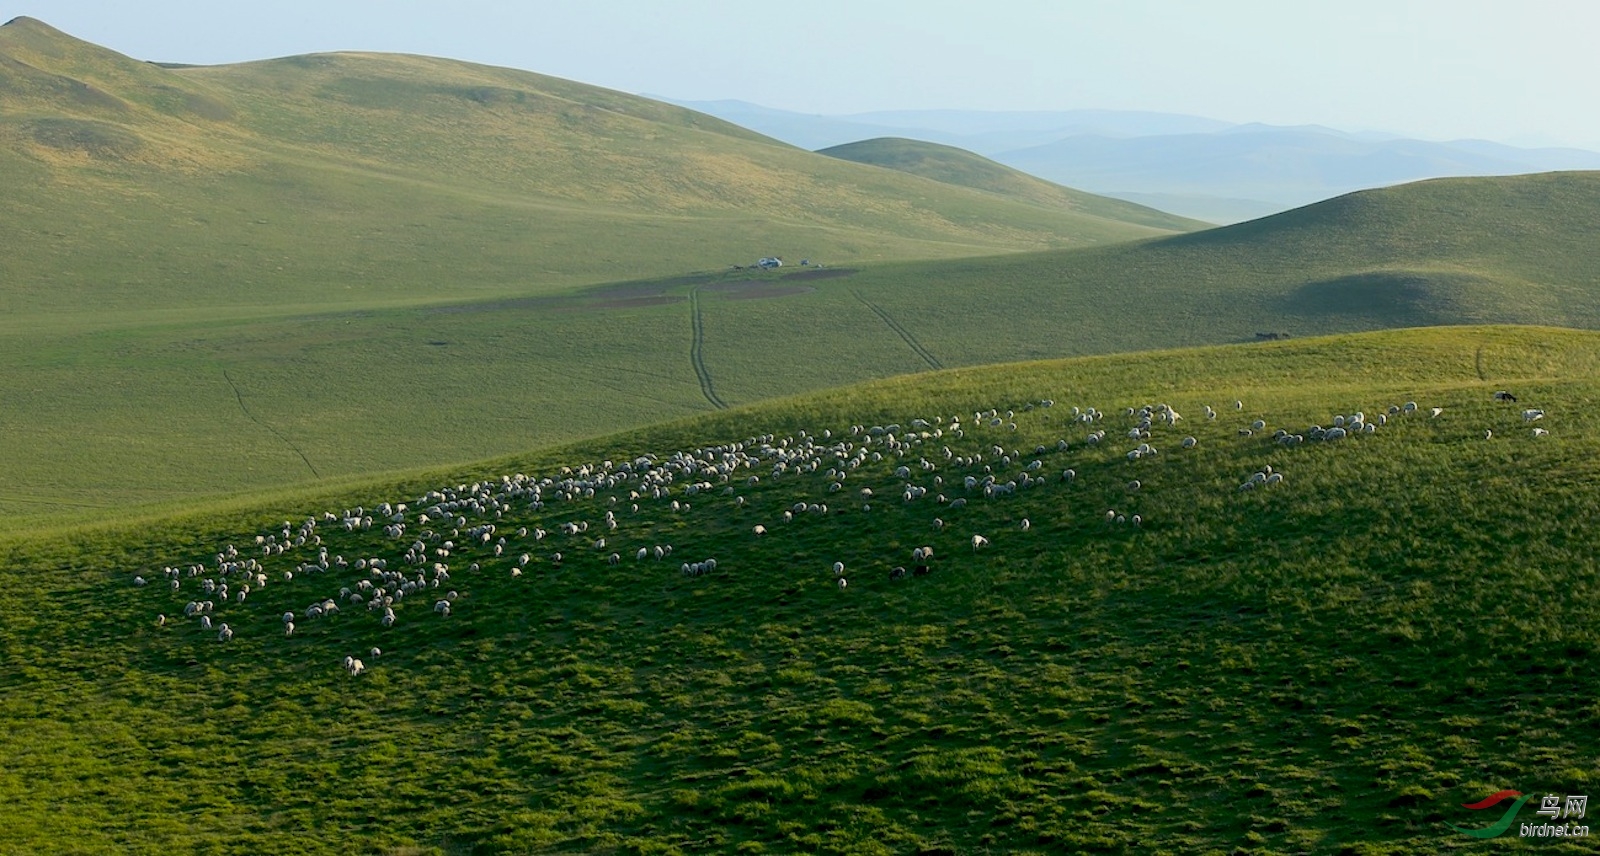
pixel 697 352
pixel 42 501
pixel 275 432
pixel 1478 363
pixel 910 340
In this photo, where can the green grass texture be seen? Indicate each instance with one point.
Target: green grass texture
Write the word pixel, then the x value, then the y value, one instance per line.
pixel 1334 662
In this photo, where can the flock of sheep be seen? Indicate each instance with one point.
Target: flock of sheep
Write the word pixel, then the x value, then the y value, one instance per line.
pixel 412 561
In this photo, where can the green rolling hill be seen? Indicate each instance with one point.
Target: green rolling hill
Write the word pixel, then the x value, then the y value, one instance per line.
pixel 962 168
pixel 226 406
pixel 362 179
pixel 223 280
pixel 1384 628
pixel 1447 251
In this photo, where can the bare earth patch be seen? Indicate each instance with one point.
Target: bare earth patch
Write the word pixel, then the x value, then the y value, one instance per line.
pixel 756 290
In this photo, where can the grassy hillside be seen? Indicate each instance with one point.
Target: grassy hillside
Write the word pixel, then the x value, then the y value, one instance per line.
pixel 1333 663
pixel 374 179
pixel 965 169
pixel 112 413
pixel 1502 250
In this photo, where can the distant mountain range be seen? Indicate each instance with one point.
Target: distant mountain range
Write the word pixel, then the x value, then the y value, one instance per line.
pixel 1188 165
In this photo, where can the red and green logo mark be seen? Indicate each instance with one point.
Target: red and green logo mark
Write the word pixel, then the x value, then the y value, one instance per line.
pixel 1552 807
pixel 1505 821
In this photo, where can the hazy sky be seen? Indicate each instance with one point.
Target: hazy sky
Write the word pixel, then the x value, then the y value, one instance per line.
pixel 1511 70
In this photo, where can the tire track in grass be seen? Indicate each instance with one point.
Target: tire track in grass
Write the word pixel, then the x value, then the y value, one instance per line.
pixel 905 335
pixel 275 432
pixel 697 352
pixel 42 501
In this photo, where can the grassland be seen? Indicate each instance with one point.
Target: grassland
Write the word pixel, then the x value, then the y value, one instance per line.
pixel 1331 664
pixel 288 275
pixel 373 179
pixel 191 254
pixel 113 410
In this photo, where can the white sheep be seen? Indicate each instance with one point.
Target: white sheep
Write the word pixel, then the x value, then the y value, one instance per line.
pixel 979 541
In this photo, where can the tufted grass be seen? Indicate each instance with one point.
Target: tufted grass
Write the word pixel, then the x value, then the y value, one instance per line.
pixel 1333 664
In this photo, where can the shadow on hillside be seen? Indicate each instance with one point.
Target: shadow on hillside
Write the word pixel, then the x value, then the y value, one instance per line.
pixel 1392 298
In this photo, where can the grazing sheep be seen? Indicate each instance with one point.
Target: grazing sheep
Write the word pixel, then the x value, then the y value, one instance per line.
pixel 288 628
pixel 1532 415
pixel 1434 412
pixel 759 530
pixel 1025 524
pixel 979 541
pixel 1503 395
pixel 1540 432
pixel 842 582
pixel 838 568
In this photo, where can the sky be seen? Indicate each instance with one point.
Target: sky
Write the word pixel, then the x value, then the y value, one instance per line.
pixel 1518 71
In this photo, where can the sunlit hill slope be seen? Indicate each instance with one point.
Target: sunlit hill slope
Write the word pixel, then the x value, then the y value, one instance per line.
pixel 350 178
